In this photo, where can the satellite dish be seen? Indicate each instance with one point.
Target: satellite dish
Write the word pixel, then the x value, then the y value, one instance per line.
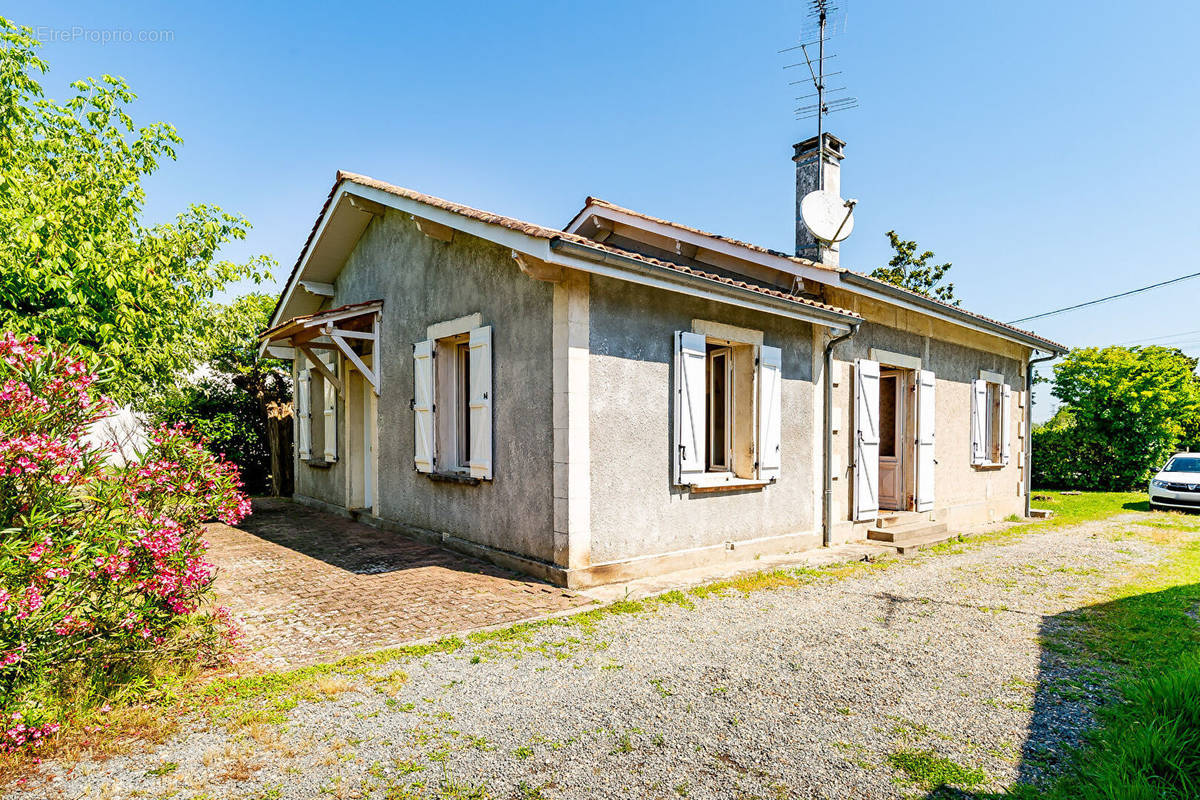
pixel 827 216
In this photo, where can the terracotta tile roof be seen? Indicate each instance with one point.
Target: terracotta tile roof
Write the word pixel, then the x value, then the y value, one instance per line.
pixel 552 234
pixel 521 226
pixel 596 201
pixel 295 321
pixel 531 229
pixel 769 291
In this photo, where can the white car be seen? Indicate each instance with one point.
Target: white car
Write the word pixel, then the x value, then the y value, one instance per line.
pixel 1178 484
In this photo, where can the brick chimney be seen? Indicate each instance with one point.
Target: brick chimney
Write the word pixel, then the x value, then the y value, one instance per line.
pixel 805 157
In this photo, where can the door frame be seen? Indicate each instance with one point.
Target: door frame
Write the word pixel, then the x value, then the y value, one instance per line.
pixel 904 498
pixel 362 440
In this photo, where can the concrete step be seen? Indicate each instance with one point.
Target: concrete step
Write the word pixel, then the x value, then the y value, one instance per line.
pixel 915 543
pixel 891 519
pixel 906 532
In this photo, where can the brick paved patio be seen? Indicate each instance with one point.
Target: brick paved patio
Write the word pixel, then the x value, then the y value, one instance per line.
pixel 311 587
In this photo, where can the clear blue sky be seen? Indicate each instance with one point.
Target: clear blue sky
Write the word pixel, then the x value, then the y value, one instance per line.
pixel 1048 149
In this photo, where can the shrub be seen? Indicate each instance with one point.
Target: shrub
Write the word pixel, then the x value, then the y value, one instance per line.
pixel 101 569
pixel 1125 410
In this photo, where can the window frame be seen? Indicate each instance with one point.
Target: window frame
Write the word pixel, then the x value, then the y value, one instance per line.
pixel 451 379
pixel 743 349
pixel 723 352
pixel 994 421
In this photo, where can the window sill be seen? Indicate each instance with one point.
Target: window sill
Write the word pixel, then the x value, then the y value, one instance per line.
pixel 454 477
pixel 318 463
pixel 989 466
pixel 726 485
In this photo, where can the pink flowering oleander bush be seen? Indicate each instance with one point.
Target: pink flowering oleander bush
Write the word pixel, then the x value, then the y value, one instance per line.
pixel 102 569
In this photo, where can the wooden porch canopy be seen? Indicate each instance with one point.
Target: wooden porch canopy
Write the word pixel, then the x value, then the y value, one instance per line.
pixel 334 329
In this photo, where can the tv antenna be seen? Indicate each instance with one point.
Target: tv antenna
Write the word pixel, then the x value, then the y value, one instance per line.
pixel 826 18
pixel 827 216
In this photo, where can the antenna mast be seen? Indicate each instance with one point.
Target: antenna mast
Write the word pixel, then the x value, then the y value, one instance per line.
pixel 821 11
pixel 822 15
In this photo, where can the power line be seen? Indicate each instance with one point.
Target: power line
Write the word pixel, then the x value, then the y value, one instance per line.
pixel 1179 335
pixel 1106 299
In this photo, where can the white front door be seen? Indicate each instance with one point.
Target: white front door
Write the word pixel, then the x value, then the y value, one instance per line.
pixel 891 438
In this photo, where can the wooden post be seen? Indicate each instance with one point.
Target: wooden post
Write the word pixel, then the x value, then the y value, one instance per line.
pixel 279 440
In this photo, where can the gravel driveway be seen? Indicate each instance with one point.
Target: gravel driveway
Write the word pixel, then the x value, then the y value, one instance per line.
pixel 798 692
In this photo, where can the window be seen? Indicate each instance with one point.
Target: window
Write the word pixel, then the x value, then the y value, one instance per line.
pixel 995 394
pixel 452 377
pixel 1183 464
pixel 317 429
pixel 720 367
pixel 462 400
pixel 991 418
pixel 888 386
pixel 727 409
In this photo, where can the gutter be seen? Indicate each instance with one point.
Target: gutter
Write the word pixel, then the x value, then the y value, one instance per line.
pixel 1029 429
pixel 827 497
pixel 953 312
pixel 624 266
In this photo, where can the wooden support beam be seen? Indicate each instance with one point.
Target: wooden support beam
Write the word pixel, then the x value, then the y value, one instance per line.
pixel 538 269
pixel 342 345
pixel 604 228
pixel 366 206
pixel 349 334
pixel 318 288
pixel 434 230
pixel 320 367
pixel 686 250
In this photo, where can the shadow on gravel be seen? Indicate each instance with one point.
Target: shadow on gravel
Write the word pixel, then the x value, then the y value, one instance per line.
pixel 1083 660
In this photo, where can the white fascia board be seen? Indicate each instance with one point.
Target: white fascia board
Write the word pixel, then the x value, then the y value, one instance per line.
pixel 670 280
pixel 781 263
pixel 979 327
pixel 326 318
pixel 506 237
pixel 294 283
pixel 635 272
pixel 495 233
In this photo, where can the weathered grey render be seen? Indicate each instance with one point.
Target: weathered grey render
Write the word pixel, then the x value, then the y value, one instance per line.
pixel 627 395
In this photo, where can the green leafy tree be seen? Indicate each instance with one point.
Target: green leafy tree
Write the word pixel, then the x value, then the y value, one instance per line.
pixel 227 399
pixel 911 271
pixel 1124 412
pixel 77 264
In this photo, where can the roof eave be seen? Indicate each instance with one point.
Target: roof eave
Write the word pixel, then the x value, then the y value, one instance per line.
pixel 952 313
pixel 697 285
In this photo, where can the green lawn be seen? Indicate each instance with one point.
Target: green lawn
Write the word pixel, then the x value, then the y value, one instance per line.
pixel 1148 743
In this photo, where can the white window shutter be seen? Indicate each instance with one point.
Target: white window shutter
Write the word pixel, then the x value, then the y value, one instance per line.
pixel 329 409
pixel 480 402
pixel 691 356
pixel 423 408
pixel 304 414
pixel 866 446
pixel 926 382
pixel 770 412
pixel 979 415
pixel 1005 423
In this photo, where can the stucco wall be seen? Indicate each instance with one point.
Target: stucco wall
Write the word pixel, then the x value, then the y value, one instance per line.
pixel 635 508
pixel 424 281
pixel 963 494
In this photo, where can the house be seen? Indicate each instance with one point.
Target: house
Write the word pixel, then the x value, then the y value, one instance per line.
pixel 630 395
